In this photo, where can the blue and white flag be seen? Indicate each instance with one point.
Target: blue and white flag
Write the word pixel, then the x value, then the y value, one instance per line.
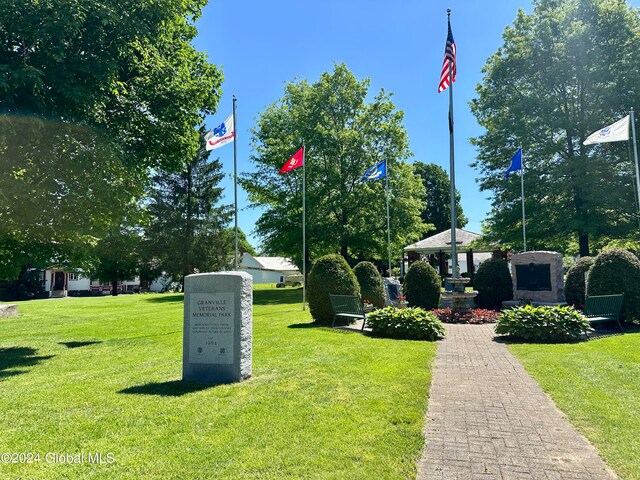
pixel 220 135
pixel 375 172
pixel 516 163
pixel 616 132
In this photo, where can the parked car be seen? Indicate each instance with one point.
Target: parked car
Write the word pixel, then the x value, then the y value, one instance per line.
pixel 290 281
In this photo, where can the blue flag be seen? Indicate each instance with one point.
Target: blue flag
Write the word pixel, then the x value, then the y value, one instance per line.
pixel 516 163
pixel 375 172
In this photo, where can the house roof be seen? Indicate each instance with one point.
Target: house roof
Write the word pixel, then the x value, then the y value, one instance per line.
pixel 442 241
pixel 280 264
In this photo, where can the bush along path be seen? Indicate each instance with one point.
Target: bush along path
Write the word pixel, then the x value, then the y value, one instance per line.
pixel 488 418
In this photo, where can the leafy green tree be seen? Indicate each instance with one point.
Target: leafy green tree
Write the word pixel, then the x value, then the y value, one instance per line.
pixel 437 209
pixel 563 72
pixel 118 256
pixel 188 230
pixel 92 96
pixel 344 135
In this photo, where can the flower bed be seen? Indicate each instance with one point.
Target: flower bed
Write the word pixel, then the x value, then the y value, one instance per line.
pixel 474 315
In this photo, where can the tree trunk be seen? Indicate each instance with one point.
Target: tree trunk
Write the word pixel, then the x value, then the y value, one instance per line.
pixel 114 287
pixel 583 240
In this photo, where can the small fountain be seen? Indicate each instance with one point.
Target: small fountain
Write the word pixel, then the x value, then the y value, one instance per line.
pixel 454 295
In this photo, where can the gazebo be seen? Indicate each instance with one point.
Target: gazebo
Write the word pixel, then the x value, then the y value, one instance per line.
pixel 439 245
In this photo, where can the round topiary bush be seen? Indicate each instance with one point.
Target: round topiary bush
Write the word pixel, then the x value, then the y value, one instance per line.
pixel 493 283
pixel 409 323
pixel 330 274
pixel 617 271
pixel 370 281
pixel 422 286
pixel 574 288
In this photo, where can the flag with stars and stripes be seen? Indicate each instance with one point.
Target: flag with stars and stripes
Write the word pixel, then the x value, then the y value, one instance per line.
pixel 449 64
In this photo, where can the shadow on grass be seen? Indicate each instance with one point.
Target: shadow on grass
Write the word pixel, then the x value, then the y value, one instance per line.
pixel 508 340
pixel 307 325
pixel 78 344
pixel 176 298
pixel 173 388
pixel 18 357
pixel 280 296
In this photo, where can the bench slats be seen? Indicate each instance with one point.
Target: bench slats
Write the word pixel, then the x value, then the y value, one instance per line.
pixel 603 308
pixel 348 306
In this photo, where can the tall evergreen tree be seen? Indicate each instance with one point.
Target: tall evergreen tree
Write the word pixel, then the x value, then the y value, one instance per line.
pixel 188 227
pixel 563 72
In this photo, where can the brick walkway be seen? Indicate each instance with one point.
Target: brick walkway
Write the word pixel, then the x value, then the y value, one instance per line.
pixel 488 419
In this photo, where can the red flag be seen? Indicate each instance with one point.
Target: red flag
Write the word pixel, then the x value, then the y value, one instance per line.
pixel 449 64
pixel 294 162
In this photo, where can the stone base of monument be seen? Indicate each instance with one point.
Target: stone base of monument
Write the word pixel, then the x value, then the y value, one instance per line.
pixel 8 310
pixel 218 316
pixel 520 303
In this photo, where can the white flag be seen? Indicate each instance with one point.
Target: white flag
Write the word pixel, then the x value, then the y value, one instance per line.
pixel 220 135
pixel 616 132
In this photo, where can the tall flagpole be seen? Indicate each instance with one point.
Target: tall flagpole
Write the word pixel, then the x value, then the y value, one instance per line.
pixel 235 181
pixel 386 168
pixel 304 227
pixel 452 175
pixel 524 228
pixel 635 151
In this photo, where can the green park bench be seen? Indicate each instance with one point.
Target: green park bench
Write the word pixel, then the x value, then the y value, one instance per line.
pixel 347 306
pixel 603 308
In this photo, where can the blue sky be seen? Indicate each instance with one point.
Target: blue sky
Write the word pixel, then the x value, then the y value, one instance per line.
pixel 261 46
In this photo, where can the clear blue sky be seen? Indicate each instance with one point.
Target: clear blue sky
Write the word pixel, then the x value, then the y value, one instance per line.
pixel 261 46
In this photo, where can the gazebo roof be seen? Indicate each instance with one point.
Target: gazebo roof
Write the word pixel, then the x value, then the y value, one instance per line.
pixel 442 241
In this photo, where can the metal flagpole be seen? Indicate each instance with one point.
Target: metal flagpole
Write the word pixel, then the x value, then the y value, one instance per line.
pixel 304 227
pixel 235 181
pixel 386 168
pixel 635 151
pixel 452 175
pixel 524 228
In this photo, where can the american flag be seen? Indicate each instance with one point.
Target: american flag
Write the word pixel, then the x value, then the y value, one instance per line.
pixel 449 62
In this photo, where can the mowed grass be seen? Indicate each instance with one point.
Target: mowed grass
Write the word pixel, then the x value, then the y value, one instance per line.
pixel 102 375
pixel 597 385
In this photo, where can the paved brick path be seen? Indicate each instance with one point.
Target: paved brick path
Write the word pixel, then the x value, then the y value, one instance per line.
pixel 488 419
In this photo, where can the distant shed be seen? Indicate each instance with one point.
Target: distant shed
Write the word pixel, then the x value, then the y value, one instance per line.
pixel 267 269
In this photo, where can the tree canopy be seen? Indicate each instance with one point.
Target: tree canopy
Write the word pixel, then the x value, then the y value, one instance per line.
pixel 344 135
pixel 563 72
pixel 437 207
pixel 92 96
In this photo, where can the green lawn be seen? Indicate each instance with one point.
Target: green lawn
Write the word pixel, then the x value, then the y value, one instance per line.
pixel 102 375
pixel 597 385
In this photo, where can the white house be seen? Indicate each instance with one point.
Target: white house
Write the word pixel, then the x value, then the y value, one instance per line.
pixel 267 269
pixel 61 283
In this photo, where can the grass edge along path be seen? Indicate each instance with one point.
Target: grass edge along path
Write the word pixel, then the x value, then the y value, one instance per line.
pixel 596 384
pixel 102 375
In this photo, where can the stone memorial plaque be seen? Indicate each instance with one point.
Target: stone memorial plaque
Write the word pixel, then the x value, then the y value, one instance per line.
pixel 211 328
pixel 217 327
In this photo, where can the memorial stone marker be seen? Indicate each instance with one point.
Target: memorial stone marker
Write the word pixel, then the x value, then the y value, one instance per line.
pixel 218 315
pixel 538 277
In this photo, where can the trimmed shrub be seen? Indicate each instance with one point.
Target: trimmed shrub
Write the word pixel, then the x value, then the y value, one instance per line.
pixel 370 281
pixel 574 288
pixel 473 315
pixel 543 324
pixel 617 271
pixel 422 286
pixel 493 283
pixel 330 274
pixel 407 323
